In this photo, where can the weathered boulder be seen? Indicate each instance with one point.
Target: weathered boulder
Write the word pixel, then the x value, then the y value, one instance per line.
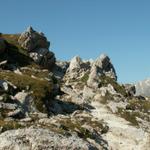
pixel 24 101
pixel 2 45
pixel 31 40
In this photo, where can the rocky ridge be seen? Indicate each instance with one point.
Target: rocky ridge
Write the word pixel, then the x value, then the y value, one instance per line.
pixel 80 104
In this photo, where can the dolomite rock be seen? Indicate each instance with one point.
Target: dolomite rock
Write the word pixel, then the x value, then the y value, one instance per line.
pixel 31 40
pixel 38 47
pixel 101 66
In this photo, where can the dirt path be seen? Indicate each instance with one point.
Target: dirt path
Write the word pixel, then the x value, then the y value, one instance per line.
pixel 121 135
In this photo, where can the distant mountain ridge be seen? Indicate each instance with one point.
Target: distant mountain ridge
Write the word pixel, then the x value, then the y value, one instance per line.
pixel 143 87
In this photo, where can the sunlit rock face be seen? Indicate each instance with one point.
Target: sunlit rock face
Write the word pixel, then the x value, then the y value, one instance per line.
pixel 102 66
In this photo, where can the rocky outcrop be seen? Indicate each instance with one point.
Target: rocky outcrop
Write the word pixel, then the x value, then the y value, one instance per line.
pixel 31 40
pixel 102 66
pixel 77 67
pixel 38 47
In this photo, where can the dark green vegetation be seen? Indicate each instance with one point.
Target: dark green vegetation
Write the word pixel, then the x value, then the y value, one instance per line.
pixel 14 54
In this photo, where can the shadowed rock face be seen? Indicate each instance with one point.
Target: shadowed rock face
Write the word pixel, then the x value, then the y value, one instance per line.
pixel 2 45
pixel 143 88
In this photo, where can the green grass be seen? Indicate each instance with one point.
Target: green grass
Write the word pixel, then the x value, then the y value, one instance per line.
pixel 129 116
pixel 77 126
pixel 41 88
pixel 85 78
pixel 135 108
pixel 141 105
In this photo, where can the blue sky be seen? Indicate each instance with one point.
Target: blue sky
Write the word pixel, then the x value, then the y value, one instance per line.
pixel 119 28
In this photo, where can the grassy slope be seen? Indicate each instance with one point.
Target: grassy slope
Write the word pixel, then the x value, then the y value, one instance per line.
pixel 19 57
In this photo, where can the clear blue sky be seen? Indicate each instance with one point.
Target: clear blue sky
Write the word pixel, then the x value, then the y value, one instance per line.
pixel 119 28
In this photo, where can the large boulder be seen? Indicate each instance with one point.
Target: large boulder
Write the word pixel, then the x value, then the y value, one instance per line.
pixel 2 45
pixel 31 40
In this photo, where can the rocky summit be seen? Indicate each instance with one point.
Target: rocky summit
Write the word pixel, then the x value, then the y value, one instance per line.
pixel 48 104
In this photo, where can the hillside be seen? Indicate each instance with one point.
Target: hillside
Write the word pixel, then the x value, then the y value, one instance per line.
pixel 50 104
